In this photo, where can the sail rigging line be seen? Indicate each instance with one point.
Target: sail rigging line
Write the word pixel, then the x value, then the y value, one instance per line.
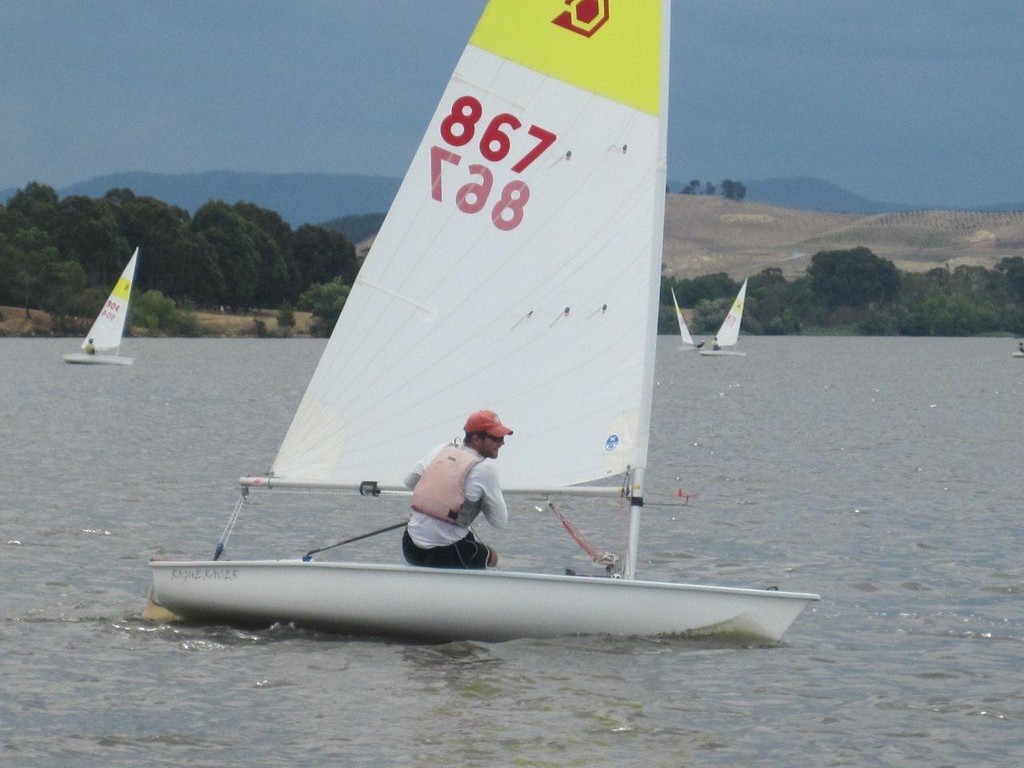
pixel 607 559
pixel 309 555
pixel 512 103
pixel 219 550
pixel 395 295
pixel 567 156
pixel 527 316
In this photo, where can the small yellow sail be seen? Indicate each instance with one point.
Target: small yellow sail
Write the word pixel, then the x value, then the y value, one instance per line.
pixel 123 289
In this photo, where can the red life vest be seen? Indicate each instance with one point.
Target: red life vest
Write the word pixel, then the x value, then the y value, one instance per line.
pixel 441 489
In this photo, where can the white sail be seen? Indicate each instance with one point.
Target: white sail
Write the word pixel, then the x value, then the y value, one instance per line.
pixel 684 332
pixel 517 269
pixel 729 333
pixel 108 328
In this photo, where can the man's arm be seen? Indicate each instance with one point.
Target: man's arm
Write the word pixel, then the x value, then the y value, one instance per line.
pixel 483 484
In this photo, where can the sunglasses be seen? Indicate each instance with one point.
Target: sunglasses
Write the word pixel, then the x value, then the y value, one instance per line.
pixel 498 440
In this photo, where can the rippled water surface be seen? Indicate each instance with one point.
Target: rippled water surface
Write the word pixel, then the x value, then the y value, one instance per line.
pixel 883 474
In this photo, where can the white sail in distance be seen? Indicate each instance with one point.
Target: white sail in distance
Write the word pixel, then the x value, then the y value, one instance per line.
pixel 108 328
pixel 684 332
pixel 729 333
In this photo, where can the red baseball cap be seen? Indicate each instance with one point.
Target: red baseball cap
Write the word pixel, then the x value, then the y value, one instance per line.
pixel 486 421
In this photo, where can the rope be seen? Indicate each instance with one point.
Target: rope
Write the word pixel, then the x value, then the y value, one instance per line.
pixel 231 524
pixel 602 558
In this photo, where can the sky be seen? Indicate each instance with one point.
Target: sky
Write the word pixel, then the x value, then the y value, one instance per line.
pixel 918 102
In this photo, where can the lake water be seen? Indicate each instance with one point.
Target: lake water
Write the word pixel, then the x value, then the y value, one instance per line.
pixel 883 474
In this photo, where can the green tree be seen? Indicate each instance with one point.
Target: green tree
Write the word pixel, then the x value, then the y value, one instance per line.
pixel 236 242
pixel 356 228
pixel 25 257
pixel 62 280
pixel 853 278
pixel 171 256
pixel 950 315
pixel 733 190
pixel 87 231
pixel 323 255
pixel 278 275
pixel 153 311
pixel 776 306
pixel 325 301
pixel 286 319
pixel 1012 270
pixel 159 314
pixel 34 206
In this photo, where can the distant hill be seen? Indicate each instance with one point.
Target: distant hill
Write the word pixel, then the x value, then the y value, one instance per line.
pixel 805 193
pixel 814 195
pixel 705 234
pixel 1006 207
pixel 808 194
pixel 315 198
pixel 357 228
pixel 300 198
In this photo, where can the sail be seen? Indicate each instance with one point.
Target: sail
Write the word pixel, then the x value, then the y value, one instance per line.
pixel 107 329
pixel 518 267
pixel 684 332
pixel 729 333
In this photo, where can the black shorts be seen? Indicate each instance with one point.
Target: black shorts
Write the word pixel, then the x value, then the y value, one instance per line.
pixel 465 553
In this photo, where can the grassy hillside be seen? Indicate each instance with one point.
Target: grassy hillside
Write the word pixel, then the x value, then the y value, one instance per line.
pixel 710 234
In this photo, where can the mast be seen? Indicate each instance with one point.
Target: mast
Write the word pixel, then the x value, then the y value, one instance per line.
pixel 636 489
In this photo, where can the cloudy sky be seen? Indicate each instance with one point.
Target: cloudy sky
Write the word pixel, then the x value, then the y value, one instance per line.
pixel 910 101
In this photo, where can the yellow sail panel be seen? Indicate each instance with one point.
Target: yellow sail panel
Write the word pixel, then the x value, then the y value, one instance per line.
pixel 607 47
pixel 123 289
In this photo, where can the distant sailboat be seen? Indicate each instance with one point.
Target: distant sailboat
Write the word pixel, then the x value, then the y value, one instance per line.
pixel 684 332
pixel 108 328
pixel 729 333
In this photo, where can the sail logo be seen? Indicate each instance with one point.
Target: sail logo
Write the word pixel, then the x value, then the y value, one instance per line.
pixel 611 443
pixel 584 17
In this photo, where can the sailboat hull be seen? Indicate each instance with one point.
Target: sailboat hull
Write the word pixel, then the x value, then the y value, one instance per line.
pixel 83 358
pixel 433 605
pixel 721 353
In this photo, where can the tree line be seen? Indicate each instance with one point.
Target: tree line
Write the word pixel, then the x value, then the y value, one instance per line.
pixel 730 189
pixel 62 256
pixel 856 292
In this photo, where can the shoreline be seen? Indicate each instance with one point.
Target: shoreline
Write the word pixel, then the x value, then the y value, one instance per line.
pixel 256 323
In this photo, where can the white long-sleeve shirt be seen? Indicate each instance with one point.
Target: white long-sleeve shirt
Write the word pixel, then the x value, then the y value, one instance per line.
pixel 481 485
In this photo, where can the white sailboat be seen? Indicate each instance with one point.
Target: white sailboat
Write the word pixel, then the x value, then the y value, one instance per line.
pixel 518 269
pixel 103 342
pixel 729 333
pixel 684 332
